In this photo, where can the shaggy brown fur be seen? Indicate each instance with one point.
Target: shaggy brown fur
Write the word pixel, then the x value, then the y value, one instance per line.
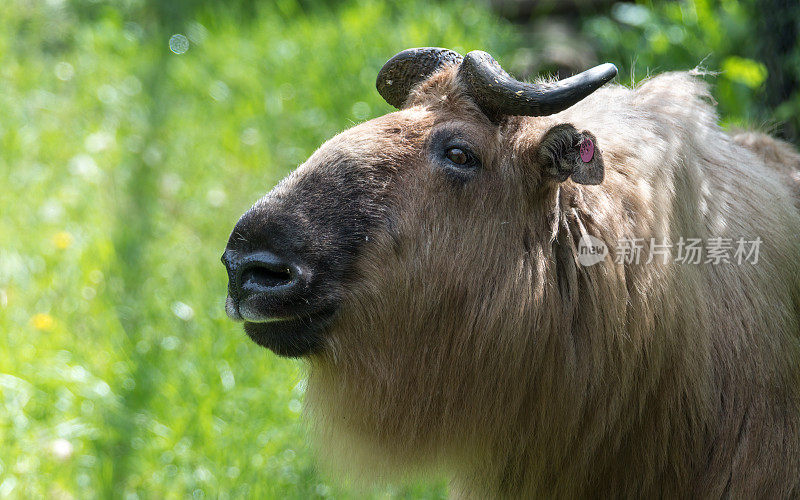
pixel 471 341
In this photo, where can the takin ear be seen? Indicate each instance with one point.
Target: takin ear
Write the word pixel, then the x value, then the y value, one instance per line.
pixel 566 153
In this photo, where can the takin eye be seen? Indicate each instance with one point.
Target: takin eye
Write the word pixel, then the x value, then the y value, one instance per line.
pixel 461 157
pixel 457 156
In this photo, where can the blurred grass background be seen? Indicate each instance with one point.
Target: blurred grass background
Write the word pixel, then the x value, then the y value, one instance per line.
pixel 133 133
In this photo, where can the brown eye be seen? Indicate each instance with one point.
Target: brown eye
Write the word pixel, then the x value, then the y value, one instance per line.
pixel 457 156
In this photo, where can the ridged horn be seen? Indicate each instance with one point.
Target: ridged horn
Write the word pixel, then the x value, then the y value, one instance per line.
pixel 497 93
pixel 405 70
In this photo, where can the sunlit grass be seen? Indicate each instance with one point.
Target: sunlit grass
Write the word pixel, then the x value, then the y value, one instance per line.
pixel 123 167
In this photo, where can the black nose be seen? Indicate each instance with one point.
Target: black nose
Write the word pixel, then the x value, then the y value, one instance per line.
pixel 261 275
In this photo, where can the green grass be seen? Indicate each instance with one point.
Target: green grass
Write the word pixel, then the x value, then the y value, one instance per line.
pixel 123 168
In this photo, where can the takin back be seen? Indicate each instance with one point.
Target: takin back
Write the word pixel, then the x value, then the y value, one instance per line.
pixel 562 288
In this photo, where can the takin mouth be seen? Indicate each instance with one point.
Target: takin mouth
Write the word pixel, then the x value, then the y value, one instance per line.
pixel 291 337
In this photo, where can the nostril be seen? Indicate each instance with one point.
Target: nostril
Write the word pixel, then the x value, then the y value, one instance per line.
pixel 260 273
pixel 257 277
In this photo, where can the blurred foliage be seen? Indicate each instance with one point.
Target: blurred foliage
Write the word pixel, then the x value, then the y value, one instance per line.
pixel 734 39
pixel 133 135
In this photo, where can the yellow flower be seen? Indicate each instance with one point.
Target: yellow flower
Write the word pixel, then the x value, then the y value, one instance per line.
pixel 42 321
pixel 62 240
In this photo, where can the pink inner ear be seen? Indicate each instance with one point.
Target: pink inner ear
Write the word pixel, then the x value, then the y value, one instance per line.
pixel 587 150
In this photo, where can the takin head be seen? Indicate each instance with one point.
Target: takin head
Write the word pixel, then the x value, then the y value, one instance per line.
pixel 448 168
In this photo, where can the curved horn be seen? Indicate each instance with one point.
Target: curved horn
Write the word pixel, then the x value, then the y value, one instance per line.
pixel 406 69
pixel 498 93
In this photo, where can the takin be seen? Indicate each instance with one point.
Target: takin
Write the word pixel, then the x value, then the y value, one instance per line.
pixel 560 288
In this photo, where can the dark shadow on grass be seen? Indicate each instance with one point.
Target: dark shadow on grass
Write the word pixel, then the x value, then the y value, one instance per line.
pixel 133 236
pixel 137 204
